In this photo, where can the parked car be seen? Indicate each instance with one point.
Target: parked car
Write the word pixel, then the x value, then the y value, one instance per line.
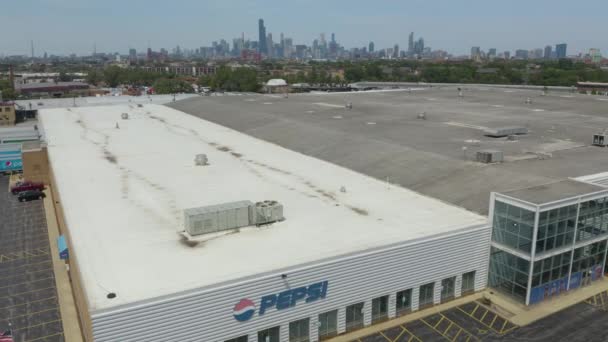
pixel 26 186
pixel 30 195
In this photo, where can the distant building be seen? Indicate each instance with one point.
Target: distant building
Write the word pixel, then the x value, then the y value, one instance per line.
pixel 548 52
pixel 132 55
pixel 521 54
pixel 55 89
pixel 492 53
pixel 507 54
pixel 262 47
pixel 371 47
pixel 410 46
pixel 475 52
pixel 536 54
pixel 561 50
pixel 7 113
pixel 396 51
pixel 596 56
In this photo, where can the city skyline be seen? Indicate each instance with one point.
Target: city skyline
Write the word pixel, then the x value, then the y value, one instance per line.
pixel 384 23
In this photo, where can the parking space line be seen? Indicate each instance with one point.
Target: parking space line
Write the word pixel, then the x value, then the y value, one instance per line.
pixel 443 333
pixel 37 325
pixel 31 314
pixel 26 303
pixel 438 322
pixel 473 312
pixel 400 334
pixel 494 320
pixel 21 293
pixel 448 328
pixel 388 339
pixel 412 336
pixel 44 337
pixel 28 282
pixel 502 331
pixel 26 273
pixel 484 315
pixel 32 264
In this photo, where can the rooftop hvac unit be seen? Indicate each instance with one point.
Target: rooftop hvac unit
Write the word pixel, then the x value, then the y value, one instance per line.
pixel 266 212
pixel 506 131
pixel 600 139
pixel 124 116
pixel 201 160
pixel 215 218
pixel 490 156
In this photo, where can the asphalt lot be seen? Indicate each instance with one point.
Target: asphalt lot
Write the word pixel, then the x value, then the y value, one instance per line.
pixel 28 296
pixel 585 321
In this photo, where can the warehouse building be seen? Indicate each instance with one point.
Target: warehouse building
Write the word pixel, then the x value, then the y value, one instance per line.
pixel 181 227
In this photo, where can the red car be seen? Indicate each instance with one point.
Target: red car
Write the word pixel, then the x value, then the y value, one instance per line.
pixel 26 186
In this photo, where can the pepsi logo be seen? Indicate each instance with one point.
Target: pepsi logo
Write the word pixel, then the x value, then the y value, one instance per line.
pixel 8 163
pixel 243 310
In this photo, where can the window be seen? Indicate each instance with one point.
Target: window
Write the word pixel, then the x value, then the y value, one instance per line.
pixel 354 316
pixel 269 335
pixel 238 339
pixel 404 302
pixel 298 331
pixel 509 273
pixel 468 282
pixel 328 324
pixel 379 309
pixel 425 298
pixel 513 226
pixel 447 289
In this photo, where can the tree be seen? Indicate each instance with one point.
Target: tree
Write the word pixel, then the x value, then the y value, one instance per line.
pixel 113 75
pixel 172 86
pixel 94 77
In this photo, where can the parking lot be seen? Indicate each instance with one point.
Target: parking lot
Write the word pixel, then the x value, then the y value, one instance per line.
pixel 586 321
pixel 468 322
pixel 28 296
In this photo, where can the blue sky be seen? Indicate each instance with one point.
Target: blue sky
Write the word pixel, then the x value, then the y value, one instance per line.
pixel 64 26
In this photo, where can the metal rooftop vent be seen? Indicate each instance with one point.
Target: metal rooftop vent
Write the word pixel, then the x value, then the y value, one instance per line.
pixel 267 212
pixel 600 139
pixel 124 116
pixel 505 131
pixel 201 160
pixel 490 156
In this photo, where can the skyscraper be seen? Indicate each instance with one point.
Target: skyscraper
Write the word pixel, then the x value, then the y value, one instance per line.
pixel 410 45
pixel 371 47
pixel 548 52
pixel 396 51
pixel 561 50
pixel 262 47
pixel 475 52
pixel 269 45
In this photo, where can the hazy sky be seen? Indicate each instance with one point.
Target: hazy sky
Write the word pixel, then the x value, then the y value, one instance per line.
pixel 65 26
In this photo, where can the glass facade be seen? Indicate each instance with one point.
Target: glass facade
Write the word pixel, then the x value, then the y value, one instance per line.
pixel 551 269
pixel 593 219
pixel 509 273
pixel 513 226
pixel 328 324
pixel 299 330
pixel 404 302
pixel 426 295
pixel 563 257
pixel 556 228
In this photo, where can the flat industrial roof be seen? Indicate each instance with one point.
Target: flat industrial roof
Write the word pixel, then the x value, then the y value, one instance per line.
pixel 547 193
pixel 125 183
pixel 381 135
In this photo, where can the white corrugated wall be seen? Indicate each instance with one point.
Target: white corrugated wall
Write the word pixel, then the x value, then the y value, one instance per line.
pixel 206 315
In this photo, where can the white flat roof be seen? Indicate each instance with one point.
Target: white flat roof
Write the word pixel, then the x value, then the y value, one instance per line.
pixel 124 191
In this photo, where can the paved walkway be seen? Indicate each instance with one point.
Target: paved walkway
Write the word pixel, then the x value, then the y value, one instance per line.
pixel 67 306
